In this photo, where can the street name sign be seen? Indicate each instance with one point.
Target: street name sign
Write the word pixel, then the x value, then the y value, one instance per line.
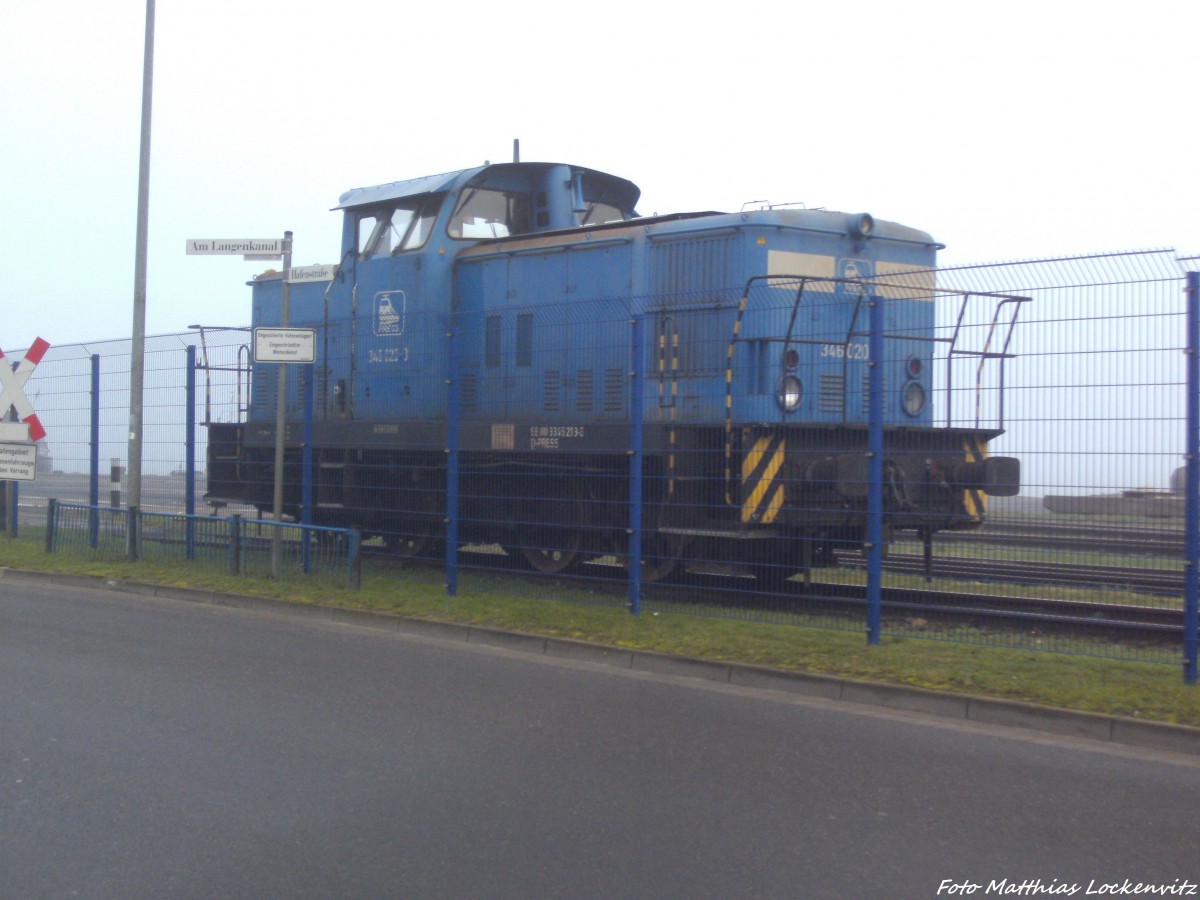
pixel 301 274
pixel 285 345
pixel 247 248
pixel 18 462
pixel 233 246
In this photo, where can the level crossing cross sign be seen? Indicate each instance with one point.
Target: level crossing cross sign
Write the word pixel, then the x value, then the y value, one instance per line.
pixel 12 388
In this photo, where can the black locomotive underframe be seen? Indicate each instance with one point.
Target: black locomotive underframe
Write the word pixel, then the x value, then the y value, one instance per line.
pixel 523 482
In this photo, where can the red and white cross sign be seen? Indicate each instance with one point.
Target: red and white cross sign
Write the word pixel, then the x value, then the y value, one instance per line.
pixel 12 388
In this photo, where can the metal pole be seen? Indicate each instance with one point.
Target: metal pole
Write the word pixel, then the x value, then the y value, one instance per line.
pixel 453 415
pixel 51 523
pixel 875 474
pixel 281 412
pixel 10 508
pixel 94 457
pixel 306 467
pixel 636 456
pixel 137 355
pixel 11 488
pixel 189 468
pixel 1191 592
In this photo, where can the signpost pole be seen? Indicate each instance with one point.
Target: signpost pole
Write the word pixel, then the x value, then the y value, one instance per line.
pixel 281 412
pixel 274 345
pixel 10 489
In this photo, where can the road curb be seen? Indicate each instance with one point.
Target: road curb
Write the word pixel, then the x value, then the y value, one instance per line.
pixel 969 707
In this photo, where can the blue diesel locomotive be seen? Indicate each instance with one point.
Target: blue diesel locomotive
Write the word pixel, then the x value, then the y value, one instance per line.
pixel 501 300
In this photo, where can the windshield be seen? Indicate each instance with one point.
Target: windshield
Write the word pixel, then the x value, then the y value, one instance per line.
pixel 403 226
pixel 485 213
pixel 598 213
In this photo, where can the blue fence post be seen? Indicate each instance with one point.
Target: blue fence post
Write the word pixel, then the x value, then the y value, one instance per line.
pixel 875 472
pixel 636 456
pixel 453 414
pixel 94 457
pixel 51 522
pixel 133 541
pixel 235 544
pixel 1191 591
pixel 13 487
pixel 189 468
pixel 306 469
pixel 354 575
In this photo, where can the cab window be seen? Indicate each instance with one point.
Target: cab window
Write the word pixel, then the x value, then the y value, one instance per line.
pixel 599 213
pixel 484 213
pixel 405 226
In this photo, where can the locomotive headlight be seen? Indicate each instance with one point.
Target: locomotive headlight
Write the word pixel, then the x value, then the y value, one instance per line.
pixel 913 398
pixel 861 225
pixel 791 391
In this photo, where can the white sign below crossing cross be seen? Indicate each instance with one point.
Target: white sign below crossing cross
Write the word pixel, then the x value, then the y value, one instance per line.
pixel 18 462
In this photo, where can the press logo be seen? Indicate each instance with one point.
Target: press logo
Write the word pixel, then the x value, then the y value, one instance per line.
pixel 390 309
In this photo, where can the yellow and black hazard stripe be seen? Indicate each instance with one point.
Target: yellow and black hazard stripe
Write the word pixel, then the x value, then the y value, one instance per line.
pixel 737 330
pixel 762 486
pixel 974 499
pixel 662 393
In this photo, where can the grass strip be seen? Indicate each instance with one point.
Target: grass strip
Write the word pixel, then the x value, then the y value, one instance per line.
pixel 1088 683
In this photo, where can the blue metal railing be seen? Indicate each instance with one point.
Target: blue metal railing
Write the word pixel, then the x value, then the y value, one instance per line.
pixel 232 544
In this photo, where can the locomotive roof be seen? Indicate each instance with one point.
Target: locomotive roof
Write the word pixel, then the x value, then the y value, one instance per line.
pixel 367 196
pixel 395 190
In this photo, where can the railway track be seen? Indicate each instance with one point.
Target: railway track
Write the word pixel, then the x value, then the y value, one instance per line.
pixel 1125 578
pixel 1046 613
pixel 1121 540
pixel 1155 624
pixel 1121 621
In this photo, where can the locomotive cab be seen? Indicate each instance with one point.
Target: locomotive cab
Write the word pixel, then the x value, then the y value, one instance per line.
pixel 494 201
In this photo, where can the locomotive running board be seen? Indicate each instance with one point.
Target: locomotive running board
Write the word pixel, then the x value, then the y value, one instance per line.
pixel 716 532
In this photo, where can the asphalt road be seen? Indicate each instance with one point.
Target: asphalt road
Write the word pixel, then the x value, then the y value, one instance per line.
pixel 153 748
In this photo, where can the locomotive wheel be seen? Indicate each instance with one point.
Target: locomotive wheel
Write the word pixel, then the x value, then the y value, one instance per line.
pixel 418 535
pixel 550 540
pixel 662 555
pixel 558 552
pixel 777 563
pixel 414 544
pixel 418 541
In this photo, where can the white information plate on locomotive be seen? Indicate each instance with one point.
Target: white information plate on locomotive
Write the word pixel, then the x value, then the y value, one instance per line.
pixel 285 345
pixel 18 462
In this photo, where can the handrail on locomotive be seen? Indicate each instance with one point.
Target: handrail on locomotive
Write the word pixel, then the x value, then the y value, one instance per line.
pixel 241 368
pixel 876 286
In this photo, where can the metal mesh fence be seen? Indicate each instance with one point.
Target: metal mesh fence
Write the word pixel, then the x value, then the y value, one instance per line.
pixel 232 545
pixel 739 441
